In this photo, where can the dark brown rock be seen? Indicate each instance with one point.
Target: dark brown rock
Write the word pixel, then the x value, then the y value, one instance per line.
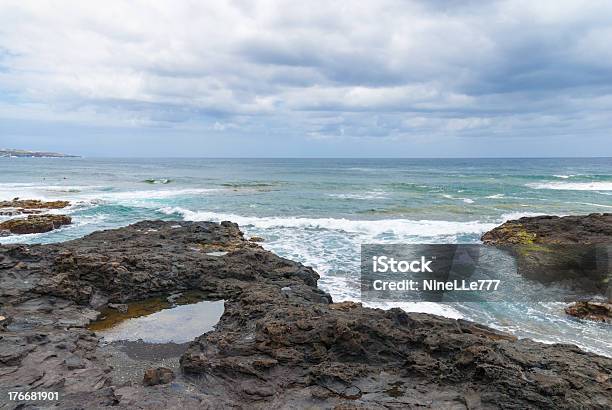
pixel 121 307
pixel 575 229
pixel 597 311
pixel 271 349
pixel 575 250
pixel 159 375
pixel 33 204
pixel 35 224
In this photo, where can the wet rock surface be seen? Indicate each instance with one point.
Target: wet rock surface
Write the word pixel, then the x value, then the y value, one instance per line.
pixel 596 311
pixel 575 251
pixel 574 229
pixel 25 204
pixel 280 342
pixel 34 224
pixel 158 375
pixel 31 216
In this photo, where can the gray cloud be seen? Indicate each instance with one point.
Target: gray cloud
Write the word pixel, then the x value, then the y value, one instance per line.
pixel 321 70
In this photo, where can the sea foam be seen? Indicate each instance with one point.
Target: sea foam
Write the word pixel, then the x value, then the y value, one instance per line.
pixel 572 186
pixel 403 227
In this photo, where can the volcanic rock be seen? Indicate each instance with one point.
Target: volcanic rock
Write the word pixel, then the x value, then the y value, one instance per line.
pixel 574 229
pixel 35 224
pixel 23 204
pixel 573 250
pixel 270 348
pixel 597 311
pixel 159 375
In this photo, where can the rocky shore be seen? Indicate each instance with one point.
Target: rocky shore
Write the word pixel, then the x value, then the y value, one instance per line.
pixel 553 230
pixel 31 216
pixel 280 342
pixel 574 250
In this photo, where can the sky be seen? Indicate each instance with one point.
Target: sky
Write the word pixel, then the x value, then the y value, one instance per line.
pixel 379 78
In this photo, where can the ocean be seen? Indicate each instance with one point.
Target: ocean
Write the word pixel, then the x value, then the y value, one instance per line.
pixel 319 212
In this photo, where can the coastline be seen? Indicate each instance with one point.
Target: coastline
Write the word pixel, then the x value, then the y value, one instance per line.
pixel 321 215
pixel 292 341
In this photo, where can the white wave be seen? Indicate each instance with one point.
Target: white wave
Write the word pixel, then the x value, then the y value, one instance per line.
pixel 421 307
pixel 148 194
pixel 364 196
pixel 496 196
pixel 517 215
pixel 572 186
pixel 564 176
pixel 24 238
pixel 42 192
pixel 466 200
pixel 363 169
pixel 407 227
pixel 598 205
pixel 70 188
pixel 16 184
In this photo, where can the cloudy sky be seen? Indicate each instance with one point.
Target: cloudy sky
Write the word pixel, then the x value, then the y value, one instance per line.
pixel 307 78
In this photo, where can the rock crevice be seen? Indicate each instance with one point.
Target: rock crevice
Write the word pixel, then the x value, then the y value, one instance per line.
pixel 281 342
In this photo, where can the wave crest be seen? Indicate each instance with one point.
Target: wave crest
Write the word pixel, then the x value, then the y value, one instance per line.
pixel 572 186
pixel 401 227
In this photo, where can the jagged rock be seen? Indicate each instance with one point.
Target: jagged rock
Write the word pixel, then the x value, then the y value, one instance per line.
pixel 257 239
pixel 573 250
pixel 270 349
pixel 23 204
pixel 597 311
pixel 74 362
pixel 574 229
pixel 159 375
pixel 4 321
pixel 35 224
pixel 121 307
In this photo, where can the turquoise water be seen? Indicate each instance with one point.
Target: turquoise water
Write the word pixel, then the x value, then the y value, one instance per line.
pixel 319 211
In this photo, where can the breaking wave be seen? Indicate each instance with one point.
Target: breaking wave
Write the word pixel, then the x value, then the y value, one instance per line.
pixel 572 186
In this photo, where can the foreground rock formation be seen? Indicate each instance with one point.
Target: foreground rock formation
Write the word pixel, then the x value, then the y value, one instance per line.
pixel 35 221
pixel 575 251
pixel 551 230
pixel 281 342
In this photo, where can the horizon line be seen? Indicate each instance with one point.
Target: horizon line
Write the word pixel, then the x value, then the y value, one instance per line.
pixel 75 156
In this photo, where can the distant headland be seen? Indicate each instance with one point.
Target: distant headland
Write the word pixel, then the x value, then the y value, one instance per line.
pixel 21 153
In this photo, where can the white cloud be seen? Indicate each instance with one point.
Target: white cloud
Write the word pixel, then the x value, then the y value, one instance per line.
pixel 383 67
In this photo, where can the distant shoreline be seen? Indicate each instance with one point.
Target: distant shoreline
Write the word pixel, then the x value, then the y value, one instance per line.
pixel 21 153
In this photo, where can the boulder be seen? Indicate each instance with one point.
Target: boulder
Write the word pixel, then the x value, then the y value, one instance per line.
pixel 596 311
pixel 159 375
pixel 553 230
pixel 24 204
pixel 35 224
pixel 575 250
